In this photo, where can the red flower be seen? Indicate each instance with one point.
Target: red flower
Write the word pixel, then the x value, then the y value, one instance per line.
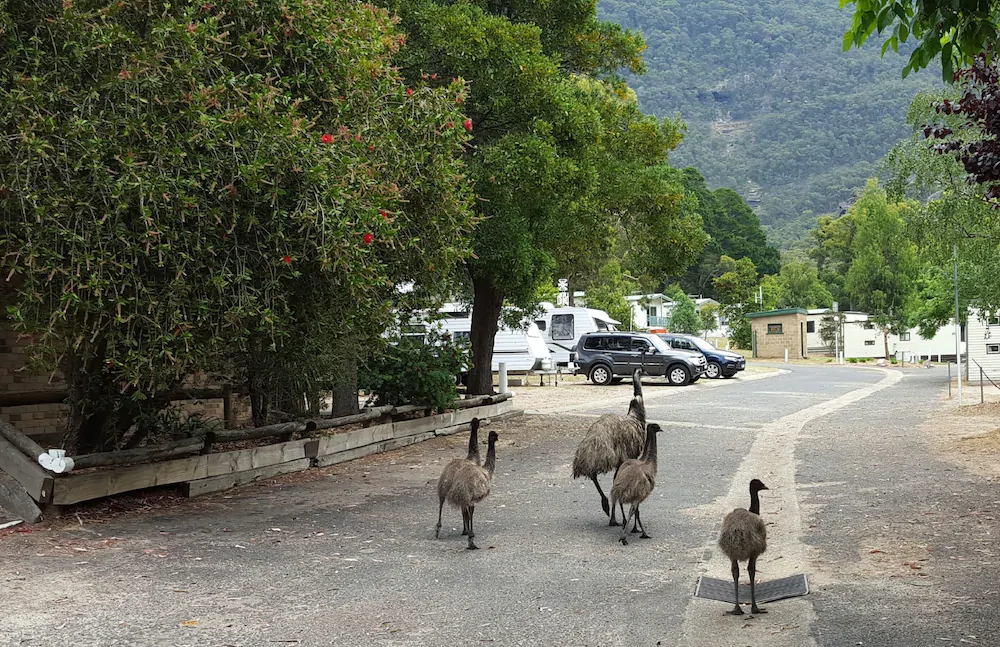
pixel 286 259
pixel 177 331
pixel 368 238
pixel 449 125
pixel 327 138
pixel 371 148
pixel 434 76
pixel 468 124
pixel 409 92
pixel 357 137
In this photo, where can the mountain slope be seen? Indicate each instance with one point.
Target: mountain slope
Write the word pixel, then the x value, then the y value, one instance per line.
pixel 775 109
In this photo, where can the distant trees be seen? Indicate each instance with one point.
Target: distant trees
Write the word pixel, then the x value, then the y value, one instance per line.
pixel 735 287
pixel 801 287
pixel 884 266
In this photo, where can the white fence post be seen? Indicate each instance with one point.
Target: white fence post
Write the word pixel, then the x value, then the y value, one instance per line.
pixel 503 377
pixel 786 356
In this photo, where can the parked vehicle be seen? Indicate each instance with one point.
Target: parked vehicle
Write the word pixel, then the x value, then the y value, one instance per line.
pixel 521 350
pixel 562 328
pixel 606 357
pixel 721 363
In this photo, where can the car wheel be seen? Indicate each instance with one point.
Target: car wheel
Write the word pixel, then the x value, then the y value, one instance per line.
pixel 678 375
pixel 713 370
pixel 601 375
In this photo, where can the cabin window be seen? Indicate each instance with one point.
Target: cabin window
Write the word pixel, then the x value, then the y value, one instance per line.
pixel 869 326
pixel 457 314
pixel 992 349
pixel 904 336
pixel 594 343
pixel 562 327
pixel 810 326
pixel 772 329
pixel 651 311
pixel 463 335
pixel 993 321
pixel 415 340
pixel 870 342
pixel 541 324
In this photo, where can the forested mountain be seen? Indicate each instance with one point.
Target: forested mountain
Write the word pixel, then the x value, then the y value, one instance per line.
pixel 774 108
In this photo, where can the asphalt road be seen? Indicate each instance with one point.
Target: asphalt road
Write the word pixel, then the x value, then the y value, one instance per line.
pixel 896 542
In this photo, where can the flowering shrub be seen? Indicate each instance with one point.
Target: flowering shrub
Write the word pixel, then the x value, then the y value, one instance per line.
pixel 184 181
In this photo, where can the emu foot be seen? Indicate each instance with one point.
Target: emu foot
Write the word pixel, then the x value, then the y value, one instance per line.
pixel 437 532
pixel 465 532
pixel 644 536
pixel 737 611
pixel 472 546
pixel 607 508
pixel 624 541
pixel 613 523
pixel 756 609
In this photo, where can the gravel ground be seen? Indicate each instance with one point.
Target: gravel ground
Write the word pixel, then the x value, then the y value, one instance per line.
pixel 881 491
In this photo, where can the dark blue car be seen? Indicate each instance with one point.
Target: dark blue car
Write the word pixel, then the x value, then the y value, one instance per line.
pixel 721 363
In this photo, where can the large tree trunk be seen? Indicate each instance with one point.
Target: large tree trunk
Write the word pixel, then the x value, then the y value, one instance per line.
pixel 885 337
pixel 345 390
pixel 487 303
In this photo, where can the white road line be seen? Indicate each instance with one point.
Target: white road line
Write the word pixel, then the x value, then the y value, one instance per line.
pixel 772 459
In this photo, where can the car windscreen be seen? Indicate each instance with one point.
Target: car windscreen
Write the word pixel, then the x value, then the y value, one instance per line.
pixel 658 344
pixel 701 344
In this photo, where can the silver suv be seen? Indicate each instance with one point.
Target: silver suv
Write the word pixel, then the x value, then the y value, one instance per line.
pixel 607 357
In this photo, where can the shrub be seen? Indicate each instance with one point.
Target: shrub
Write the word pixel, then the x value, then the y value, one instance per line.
pixel 411 372
pixel 852 360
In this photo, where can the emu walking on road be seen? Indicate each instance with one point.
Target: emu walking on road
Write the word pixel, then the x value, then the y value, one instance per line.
pixel 470 485
pixel 744 539
pixel 448 474
pixel 635 482
pixel 611 440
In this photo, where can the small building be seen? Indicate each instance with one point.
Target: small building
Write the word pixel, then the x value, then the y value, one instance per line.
pixel 777 331
pixel 652 312
pixel 861 339
pixel 983 343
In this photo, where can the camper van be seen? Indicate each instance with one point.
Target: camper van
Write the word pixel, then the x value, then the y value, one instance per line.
pixel 561 328
pixel 521 350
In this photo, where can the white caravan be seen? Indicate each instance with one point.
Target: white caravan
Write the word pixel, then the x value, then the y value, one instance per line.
pixel 521 350
pixel 561 329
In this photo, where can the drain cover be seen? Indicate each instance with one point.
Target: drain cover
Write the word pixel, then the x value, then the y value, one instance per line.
pixel 711 588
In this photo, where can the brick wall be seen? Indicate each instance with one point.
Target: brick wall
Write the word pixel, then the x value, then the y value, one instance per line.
pixel 46 422
pixel 773 345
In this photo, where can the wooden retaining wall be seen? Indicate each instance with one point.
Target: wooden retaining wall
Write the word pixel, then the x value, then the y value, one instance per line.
pixel 214 472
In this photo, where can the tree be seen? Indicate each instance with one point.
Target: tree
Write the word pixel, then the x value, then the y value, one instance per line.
pixel 683 315
pixel 833 238
pixel 884 267
pixel 184 186
pixel 828 331
pixel 562 159
pixel 954 31
pixel 801 288
pixel 709 315
pixel 736 287
pixel 734 231
pixel 608 293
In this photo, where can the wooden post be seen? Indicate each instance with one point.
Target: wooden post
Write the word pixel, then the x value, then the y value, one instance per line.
pixel 982 397
pixel 30 448
pixel 139 454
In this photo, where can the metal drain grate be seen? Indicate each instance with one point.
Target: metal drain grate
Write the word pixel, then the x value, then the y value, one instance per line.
pixel 711 588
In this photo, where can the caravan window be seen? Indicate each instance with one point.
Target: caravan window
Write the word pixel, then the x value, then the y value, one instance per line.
pixel 992 349
pixel 562 327
pixel 462 335
pixel 541 324
pixel 602 325
pixel 810 326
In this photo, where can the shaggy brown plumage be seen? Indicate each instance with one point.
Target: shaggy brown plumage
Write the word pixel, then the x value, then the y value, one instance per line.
pixel 611 440
pixel 744 539
pixel 471 484
pixel 635 482
pixel 448 474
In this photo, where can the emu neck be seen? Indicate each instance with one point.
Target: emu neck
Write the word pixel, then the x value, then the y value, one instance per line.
pixel 474 445
pixel 754 503
pixel 649 450
pixel 491 457
pixel 637 409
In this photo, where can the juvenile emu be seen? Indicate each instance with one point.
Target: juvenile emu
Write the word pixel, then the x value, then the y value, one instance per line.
pixel 634 483
pixel 448 474
pixel 611 440
pixel 744 539
pixel 470 485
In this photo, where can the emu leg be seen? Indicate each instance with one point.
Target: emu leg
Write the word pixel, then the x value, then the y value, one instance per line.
pixel 437 530
pixel 737 611
pixel 751 571
pixel 631 511
pixel 638 522
pixel 472 534
pixel 604 499
pixel 465 521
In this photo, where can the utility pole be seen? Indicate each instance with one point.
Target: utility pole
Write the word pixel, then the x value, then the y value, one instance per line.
pixel 958 330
